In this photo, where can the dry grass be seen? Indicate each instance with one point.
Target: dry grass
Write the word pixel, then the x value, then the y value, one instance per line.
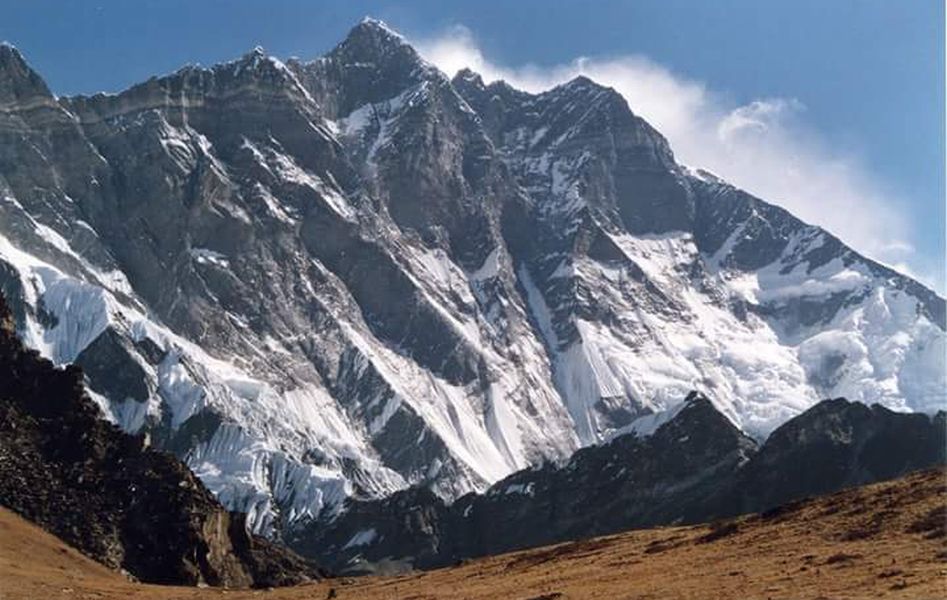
pixel 886 540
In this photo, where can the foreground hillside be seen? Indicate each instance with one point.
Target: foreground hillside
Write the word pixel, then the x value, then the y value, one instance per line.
pixel 883 540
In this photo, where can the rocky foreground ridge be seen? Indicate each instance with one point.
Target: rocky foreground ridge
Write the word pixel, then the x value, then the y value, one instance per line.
pixel 106 493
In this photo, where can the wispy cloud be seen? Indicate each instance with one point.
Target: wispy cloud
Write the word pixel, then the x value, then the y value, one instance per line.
pixel 765 147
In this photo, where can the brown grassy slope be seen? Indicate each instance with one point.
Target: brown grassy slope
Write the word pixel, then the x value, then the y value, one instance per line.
pixel 884 540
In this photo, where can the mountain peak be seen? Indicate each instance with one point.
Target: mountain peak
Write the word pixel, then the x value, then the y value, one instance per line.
pixel 697 402
pixel 585 87
pixel 583 83
pixel 372 39
pixel 254 57
pixel 469 76
pixel 581 80
pixel 699 415
pixel 372 63
pixel 258 65
pixel 695 397
pixel 9 52
pixel 18 82
pixel 378 26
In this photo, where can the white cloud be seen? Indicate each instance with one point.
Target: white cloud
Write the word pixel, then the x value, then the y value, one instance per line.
pixel 764 147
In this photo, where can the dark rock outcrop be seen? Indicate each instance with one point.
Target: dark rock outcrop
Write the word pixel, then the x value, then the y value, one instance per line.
pixel 833 445
pixel 695 467
pixel 106 493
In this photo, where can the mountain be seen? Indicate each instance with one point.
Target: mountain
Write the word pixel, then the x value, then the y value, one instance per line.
pixel 109 495
pixel 318 280
pixel 694 467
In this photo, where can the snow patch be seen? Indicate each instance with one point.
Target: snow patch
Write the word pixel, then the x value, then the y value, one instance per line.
pixel 361 538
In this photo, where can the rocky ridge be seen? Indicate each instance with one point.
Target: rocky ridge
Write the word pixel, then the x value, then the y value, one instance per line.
pixel 109 495
pixel 694 467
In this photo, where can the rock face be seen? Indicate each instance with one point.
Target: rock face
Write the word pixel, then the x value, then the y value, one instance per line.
pixel 694 467
pixel 342 277
pixel 105 493
pixel 836 444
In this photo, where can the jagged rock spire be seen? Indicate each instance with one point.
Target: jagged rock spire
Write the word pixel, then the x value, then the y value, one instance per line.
pixel 18 82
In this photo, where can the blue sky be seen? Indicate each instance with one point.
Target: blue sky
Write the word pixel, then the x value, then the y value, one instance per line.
pixel 833 108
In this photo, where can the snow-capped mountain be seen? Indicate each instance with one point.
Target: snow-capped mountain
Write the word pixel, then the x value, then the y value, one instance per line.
pixel 313 280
